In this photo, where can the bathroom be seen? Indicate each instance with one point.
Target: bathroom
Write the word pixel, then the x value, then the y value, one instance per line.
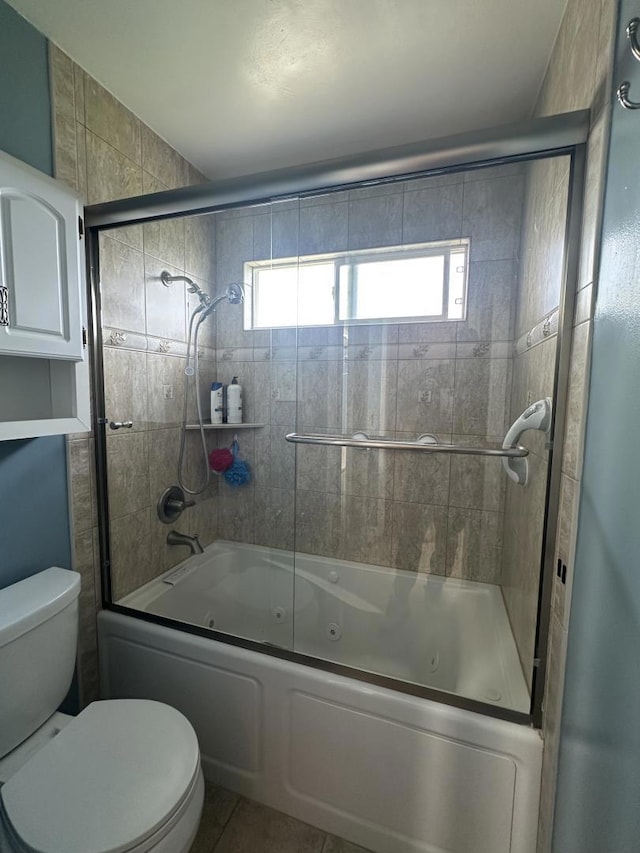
pixel 97 141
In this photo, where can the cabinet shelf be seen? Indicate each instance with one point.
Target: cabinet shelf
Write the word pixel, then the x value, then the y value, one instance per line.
pixel 225 426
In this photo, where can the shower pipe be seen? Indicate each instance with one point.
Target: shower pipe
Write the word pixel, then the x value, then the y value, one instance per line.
pixel 519 142
pixel 234 294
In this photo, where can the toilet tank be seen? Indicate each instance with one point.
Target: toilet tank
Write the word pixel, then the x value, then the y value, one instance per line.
pixel 38 640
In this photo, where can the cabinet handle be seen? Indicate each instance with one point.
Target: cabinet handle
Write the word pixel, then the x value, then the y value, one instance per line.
pixel 4 305
pixel 120 424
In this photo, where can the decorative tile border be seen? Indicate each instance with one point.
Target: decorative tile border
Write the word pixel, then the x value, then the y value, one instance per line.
pixel 546 328
pixel 122 339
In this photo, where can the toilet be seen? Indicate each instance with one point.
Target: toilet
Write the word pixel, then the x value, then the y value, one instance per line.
pixel 123 776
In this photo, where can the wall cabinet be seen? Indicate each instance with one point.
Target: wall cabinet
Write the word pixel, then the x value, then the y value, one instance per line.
pixel 44 377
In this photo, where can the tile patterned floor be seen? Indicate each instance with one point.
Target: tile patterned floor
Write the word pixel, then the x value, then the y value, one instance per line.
pixel 232 824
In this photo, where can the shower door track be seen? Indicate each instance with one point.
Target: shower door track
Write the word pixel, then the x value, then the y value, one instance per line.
pixel 526 141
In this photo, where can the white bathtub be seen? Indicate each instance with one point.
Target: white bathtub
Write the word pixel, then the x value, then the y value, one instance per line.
pixel 389 771
pixel 444 633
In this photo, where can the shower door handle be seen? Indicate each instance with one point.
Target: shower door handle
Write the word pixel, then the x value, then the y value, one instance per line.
pixel 535 416
pixel 120 424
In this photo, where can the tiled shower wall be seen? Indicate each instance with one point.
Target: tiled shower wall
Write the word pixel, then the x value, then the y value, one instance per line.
pixel 579 76
pixel 536 338
pixel 430 513
pixel 104 152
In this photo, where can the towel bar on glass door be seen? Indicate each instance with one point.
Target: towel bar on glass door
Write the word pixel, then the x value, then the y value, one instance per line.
pixel 393 444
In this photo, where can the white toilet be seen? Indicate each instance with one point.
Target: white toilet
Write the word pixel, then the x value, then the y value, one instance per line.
pixel 123 776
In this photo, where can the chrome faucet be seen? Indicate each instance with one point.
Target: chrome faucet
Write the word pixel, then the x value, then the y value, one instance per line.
pixel 192 542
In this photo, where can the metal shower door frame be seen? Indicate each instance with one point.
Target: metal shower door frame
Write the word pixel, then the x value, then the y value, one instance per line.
pixel 562 135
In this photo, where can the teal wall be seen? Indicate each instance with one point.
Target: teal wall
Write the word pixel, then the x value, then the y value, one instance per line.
pixel 598 798
pixel 34 515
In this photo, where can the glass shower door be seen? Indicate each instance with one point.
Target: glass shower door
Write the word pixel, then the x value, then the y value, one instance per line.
pixel 415 565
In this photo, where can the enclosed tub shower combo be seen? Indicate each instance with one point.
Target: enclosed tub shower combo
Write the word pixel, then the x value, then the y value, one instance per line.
pixel 351 606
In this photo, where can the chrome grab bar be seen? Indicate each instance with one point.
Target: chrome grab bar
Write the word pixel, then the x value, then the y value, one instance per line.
pixel 424 443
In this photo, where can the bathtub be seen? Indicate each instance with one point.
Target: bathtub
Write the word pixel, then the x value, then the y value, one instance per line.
pixel 390 771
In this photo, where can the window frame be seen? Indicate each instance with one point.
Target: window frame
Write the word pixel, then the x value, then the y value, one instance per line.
pixel 351 259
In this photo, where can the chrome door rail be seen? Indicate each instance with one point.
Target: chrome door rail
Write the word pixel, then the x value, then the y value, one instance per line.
pixel 393 444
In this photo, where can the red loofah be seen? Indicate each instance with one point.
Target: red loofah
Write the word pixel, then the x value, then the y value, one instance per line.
pixel 220 460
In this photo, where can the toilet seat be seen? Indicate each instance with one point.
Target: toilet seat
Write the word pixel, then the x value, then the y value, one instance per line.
pixel 115 780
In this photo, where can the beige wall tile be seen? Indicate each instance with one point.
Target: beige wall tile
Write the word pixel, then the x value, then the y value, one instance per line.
pixel 163 239
pixel 199 235
pixel 366 473
pixel 320 395
pixel 111 175
pixel 164 446
pixel 477 482
pixel 482 388
pixel 274 459
pixel 81 154
pixel 79 82
pixel 491 216
pixel 111 121
pixel 324 228
pixel 127 473
pixel 419 537
pixel 552 708
pixel 433 213
pixel 65 151
pixel 62 82
pixel 421 477
pixel 592 203
pixel 317 523
pixel 81 482
pixel 125 386
pixel 577 400
pixel 165 307
pixel 275 515
pixel 364 526
pixel 165 382
pixel 122 285
pixel 87 669
pixel 236 513
pixel 474 544
pixel 522 553
pixel 370 396
pixel 375 221
pixel 491 302
pixel 131 552
pixel 161 161
pixel 416 414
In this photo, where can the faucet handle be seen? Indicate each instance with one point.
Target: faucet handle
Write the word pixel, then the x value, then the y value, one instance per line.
pixel 171 504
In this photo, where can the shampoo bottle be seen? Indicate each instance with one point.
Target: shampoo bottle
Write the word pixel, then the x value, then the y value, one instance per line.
pixel 234 402
pixel 217 402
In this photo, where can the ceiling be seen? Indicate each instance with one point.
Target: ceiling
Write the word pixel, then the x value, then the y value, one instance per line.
pixel 243 86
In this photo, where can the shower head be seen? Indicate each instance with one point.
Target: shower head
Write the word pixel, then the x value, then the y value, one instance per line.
pixel 234 293
pixel 167 279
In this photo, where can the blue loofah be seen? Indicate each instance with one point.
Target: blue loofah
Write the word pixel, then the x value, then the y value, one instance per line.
pixel 239 473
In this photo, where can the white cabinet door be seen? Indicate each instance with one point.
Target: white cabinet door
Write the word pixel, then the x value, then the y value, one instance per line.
pixel 41 272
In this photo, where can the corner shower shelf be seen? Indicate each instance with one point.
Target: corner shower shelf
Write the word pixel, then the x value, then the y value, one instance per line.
pixel 225 426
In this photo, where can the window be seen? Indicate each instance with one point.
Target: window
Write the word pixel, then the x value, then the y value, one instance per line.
pixel 425 282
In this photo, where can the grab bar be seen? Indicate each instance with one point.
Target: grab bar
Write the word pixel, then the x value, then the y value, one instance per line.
pixel 535 416
pixel 424 443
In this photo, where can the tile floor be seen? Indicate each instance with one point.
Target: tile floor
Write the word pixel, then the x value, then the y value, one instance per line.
pixel 232 824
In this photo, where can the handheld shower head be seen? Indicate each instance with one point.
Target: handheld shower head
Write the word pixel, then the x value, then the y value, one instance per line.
pixel 234 294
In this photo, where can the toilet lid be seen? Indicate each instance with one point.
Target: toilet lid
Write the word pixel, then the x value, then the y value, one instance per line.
pixel 111 778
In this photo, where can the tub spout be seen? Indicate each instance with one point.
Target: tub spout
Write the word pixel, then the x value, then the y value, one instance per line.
pixel 192 542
